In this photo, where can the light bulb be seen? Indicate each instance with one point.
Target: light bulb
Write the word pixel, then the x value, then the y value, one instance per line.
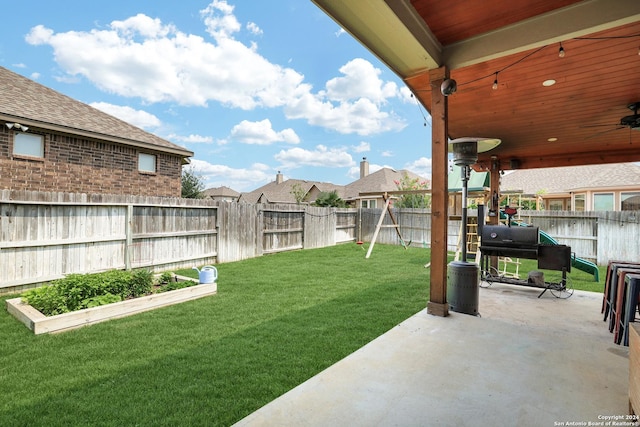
pixel 495 83
pixel 561 51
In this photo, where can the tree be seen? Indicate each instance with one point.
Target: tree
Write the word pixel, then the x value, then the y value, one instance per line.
pixel 192 184
pixel 298 192
pixel 418 200
pixel 330 199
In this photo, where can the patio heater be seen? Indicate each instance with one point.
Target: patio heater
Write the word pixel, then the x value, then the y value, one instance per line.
pixel 463 276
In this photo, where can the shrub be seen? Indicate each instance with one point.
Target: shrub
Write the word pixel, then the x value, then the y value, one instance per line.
pixel 78 291
pixel 46 299
pixel 140 283
pixel 101 300
pixel 172 286
pixel 165 278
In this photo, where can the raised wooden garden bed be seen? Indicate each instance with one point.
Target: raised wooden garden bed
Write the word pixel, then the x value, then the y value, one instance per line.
pixel 41 324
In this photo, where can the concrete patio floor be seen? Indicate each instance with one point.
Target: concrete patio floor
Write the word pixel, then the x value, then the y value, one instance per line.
pixel 524 362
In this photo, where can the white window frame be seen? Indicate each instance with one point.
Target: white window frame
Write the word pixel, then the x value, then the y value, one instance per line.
pixel 28 144
pixel 608 193
pixel 366 203
pixel 582 197
pixel 147 163
pixel 627 195
pixel 556 202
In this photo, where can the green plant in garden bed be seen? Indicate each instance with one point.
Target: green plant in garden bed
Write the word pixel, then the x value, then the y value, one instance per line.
pixel 79 291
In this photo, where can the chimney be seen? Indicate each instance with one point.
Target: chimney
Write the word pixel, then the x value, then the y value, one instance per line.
pixel 364 167
pixel 279 178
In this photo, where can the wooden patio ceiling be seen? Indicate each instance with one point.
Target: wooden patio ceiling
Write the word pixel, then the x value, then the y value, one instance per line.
pixel 575 121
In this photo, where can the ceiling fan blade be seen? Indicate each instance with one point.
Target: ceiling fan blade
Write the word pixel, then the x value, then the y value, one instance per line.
pixel 606 131
pixel 597 126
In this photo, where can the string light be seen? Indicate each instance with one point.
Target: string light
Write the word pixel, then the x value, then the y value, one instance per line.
pixel 561 54
pixel 420 109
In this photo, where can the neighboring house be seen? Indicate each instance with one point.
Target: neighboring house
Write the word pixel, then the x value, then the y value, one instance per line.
pixel 51 142
pixel 607 187
pixel 222 194
pixel 283 191
pixel 385 179
pixel 287 191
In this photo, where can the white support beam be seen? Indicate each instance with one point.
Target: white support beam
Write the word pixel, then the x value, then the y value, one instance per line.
pixel 577 20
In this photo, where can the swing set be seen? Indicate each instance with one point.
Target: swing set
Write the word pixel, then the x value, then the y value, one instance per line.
pixel 387 197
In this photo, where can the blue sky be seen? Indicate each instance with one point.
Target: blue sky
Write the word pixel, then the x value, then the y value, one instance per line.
pixel 251 87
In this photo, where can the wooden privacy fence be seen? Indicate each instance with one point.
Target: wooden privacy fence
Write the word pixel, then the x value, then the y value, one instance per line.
pixel 595 236
pixel 44 236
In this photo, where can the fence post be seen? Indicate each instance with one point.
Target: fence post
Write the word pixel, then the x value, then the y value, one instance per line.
pixel 128 247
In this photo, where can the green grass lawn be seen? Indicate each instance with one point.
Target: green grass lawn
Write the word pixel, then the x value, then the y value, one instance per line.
pixel 276 321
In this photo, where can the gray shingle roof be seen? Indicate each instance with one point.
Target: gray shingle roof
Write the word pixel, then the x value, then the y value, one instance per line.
pixel 221 192
pixel 283 192
pixel 566 179
pixel 379 181
pixel 30 103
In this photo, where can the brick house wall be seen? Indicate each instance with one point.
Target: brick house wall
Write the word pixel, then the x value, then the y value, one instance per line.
pixel 81 165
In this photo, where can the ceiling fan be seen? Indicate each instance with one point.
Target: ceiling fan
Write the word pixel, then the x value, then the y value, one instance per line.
pixel 632 121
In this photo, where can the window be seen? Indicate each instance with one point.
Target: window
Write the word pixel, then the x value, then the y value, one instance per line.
pixel 146 162
pixel 630 201
pixel 556 205
pixel 368 204
pixel 579 202
pixel 28 144
pixel 603 202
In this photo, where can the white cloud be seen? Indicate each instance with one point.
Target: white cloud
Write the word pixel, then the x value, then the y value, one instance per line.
pixel 35 76
pixel 223 25
pixel 143 25
pixel 362 147
pixel 321 156
pixel 138 118
pixel 360 80
pixel 140 57
pixel 253 28
pixel 422 167
pixel 145 58
pixel 262 133
pixel 244 179
pixel 193 139
pixel 387 153
pixel 362 117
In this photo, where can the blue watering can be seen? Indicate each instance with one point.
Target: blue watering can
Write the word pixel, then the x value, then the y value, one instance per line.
pixel 208 274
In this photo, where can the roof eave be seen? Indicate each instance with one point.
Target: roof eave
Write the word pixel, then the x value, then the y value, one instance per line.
pixel 95 135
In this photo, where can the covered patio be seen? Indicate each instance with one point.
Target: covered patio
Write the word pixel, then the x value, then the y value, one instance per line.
pixel 527 361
